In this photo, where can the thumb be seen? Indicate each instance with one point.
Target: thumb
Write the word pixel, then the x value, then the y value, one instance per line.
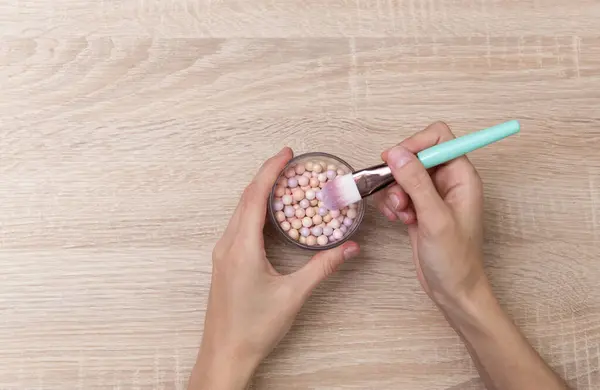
pixel 324 264
pixel 416 182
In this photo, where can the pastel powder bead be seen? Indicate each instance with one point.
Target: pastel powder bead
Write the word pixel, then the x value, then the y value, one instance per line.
pixel 293 233
pixel 290 173
pixel 331 238
pixel 300 169
pixel 302 240
pixel 340 172
pixel 289 211
pixel 280 216
pixel 296 206
pixel 310 212
pixel 322 177
pixel 305 188
pixel 309 166
pixel 305 232
pixel 277 205
pixel 327 218
pixel 322 240
pixel 303 181
pixel 340 218
pixel 300 213
pixel 331 175
pixel 353 205
pixel 314 182
pixel 338 234
pixel 344 229
pixel 298 195
pixel 292 182
pixel 279 191
pixel 317 231
pixel 331 167
pixel 286 199
pixel 328 230
pixel 314 202
pixel 310 195
pixel 285 225
pixel 311 240
pixel 352 213
pixel 334 213
pixel 317 219
pixel 322 210
pixel 307 222
pixel 296 223
pixel 304 203
pixel 334 224
pixel 348 221
pixel 318 168
pixel 319 195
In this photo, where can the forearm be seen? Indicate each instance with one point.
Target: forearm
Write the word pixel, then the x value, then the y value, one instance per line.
pixel 503 356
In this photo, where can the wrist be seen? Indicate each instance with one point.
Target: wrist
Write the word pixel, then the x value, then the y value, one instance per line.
pixel 221 371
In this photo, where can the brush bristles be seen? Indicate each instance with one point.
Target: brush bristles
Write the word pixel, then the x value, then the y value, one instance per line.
pixel 340 192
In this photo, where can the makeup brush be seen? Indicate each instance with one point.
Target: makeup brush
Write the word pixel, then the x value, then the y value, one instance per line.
pixel 352 187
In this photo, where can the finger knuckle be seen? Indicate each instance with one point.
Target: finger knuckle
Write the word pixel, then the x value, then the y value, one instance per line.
pixel 439 227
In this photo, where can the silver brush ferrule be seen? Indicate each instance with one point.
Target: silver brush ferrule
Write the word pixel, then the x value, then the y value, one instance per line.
pixel 370 180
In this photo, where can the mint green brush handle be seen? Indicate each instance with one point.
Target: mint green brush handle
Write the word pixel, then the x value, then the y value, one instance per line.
pixel 450 150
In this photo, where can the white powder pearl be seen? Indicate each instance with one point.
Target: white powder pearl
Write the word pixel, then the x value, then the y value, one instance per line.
pixel 322 177
pixel 277 204
pixel 304 203
pixel 328 230
pixel 307 222
pixel 334 224
pixel 280 216
pixel 317 219
pixel 334 213
pixel 286 199
pixel 290 173
pixel 303 181
pixel 327 218
pixel 310 212
pixel 310 194
pixel 300 213
pixel 298 194
pixel 300 169
pixel 311 240
pixel 285 225
pixel 347 221
pixel 309 165
pixel 293 233
pixel 337 234
pixel 296 223
pixel 352 213
pixel 318 168
pixel 314 182
pixel 279 191
pixel 322 240
pixel 331 167
pixel 289 211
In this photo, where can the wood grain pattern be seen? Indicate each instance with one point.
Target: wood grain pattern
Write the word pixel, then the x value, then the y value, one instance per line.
pixel 128 129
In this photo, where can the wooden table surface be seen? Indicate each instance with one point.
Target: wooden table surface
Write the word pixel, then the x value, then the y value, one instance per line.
pixel 128 129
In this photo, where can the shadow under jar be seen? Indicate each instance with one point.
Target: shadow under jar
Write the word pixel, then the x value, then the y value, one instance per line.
pixel 296 208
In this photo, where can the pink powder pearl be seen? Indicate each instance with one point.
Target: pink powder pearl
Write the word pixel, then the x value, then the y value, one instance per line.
pixel 311 240
pixel 352 213
pixel 338 234
pixel 334 223
pixel 314 182
pixel 298 194
pixel 307 222
pixel 300 213
pixel 310 212
pixel 322 240
pixel 293 233
pixel 332 238
pixel 304 203
pixel 348 221
pixel 320 195
pixel 310 194
pixel 317 231
pixel 328 230
pixel 277 205
pixel 334 213
pixel 280 216
pixel 300 169
pixel 285 225
pixel 303 181
pixel 314 174
pixel 290 173
pixel 322 177
pixel 289 211
pixel 317 219
pixel 344 229
pixel 305 232
pixel 322 210
pixel 279 191
pixel 296 223
pixel 292 182
pixel 307 174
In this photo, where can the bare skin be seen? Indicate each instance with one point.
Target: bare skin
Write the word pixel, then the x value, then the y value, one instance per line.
pixel 251 306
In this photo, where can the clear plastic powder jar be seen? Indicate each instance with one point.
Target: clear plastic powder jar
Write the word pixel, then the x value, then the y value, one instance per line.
pixel 296 210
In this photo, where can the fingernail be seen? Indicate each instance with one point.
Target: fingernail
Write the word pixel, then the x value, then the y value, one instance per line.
pixel 399 156
pixel 395 201
pixel 351 252
pixel 389 213
pixel 404 216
